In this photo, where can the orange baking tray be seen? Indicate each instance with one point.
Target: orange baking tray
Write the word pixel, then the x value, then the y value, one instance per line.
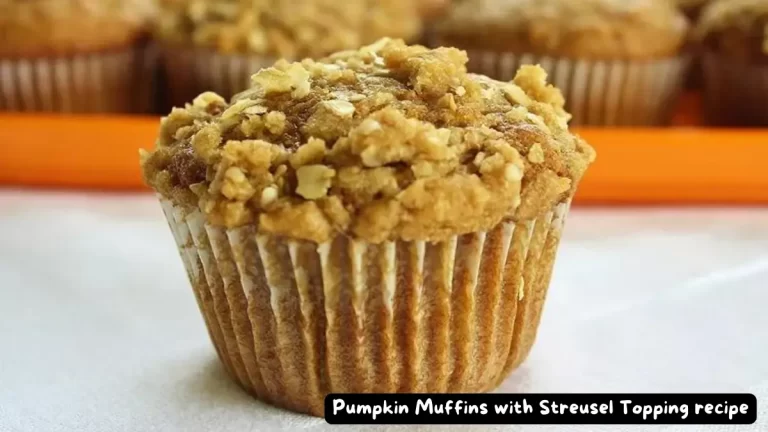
pixel 680 165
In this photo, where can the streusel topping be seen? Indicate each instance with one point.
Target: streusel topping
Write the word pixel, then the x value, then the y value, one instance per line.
pixel 291 29
pixel 594 29
pixel 388 142
pixel 736 28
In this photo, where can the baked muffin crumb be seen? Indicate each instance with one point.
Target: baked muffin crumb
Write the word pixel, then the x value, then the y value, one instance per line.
pixel 387 142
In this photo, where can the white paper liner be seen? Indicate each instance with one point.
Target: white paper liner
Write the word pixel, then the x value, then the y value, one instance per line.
pixel 293 320
pixel 600 93
pixel 108 82
pixel 190 72
pixel 735 94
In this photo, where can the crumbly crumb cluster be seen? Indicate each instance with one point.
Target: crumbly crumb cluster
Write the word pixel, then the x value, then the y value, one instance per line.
pixel 736 28
pixel 388 142
pixel 594 29
pixel 286 29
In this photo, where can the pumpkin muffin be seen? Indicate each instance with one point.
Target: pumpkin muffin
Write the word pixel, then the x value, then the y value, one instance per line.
pixel 618 62
pixel 82 56
pixel 217 45
pixel 379 221
pixel 734 39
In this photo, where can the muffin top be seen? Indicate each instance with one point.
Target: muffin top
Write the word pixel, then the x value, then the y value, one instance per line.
pixel 291 29
pixel 591 29
pixel 388 142
pixel 30 28
pixel 736 28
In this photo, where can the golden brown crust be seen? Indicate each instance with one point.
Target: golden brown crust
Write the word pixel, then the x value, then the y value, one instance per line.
pixel 61 27
pixel 593 29
pixel 389 142
pixel 286 29
pixel 736 28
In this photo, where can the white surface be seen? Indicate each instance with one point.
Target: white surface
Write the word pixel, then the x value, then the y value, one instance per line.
pixel 100 332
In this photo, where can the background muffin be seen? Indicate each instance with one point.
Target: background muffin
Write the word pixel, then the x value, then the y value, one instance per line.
pixel 617 61
pixel 217 44
pixel 734 38
pixel 391 220
pixel 75 55
pixel 430 9
pixel 692 8
pixel 431 12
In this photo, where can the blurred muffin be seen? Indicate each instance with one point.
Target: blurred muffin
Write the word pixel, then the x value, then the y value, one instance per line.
pixel 218 44
pixel 734 38
pixel 431 12
pixel 84 56
pixel 379 222
pixel 617 61
pixel 692 8
pixel 430 9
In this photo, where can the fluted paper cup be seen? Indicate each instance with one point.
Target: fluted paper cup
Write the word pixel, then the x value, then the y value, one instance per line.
pixel 191 71
pixel 735 94
pixel 118 81
pixel 293 320
pixel 600 93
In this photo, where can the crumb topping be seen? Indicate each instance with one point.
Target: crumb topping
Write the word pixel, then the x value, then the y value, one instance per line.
pixel 28 28
pixel 286 29
pixel 594 29
pixel 387 142
pixel 736 28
